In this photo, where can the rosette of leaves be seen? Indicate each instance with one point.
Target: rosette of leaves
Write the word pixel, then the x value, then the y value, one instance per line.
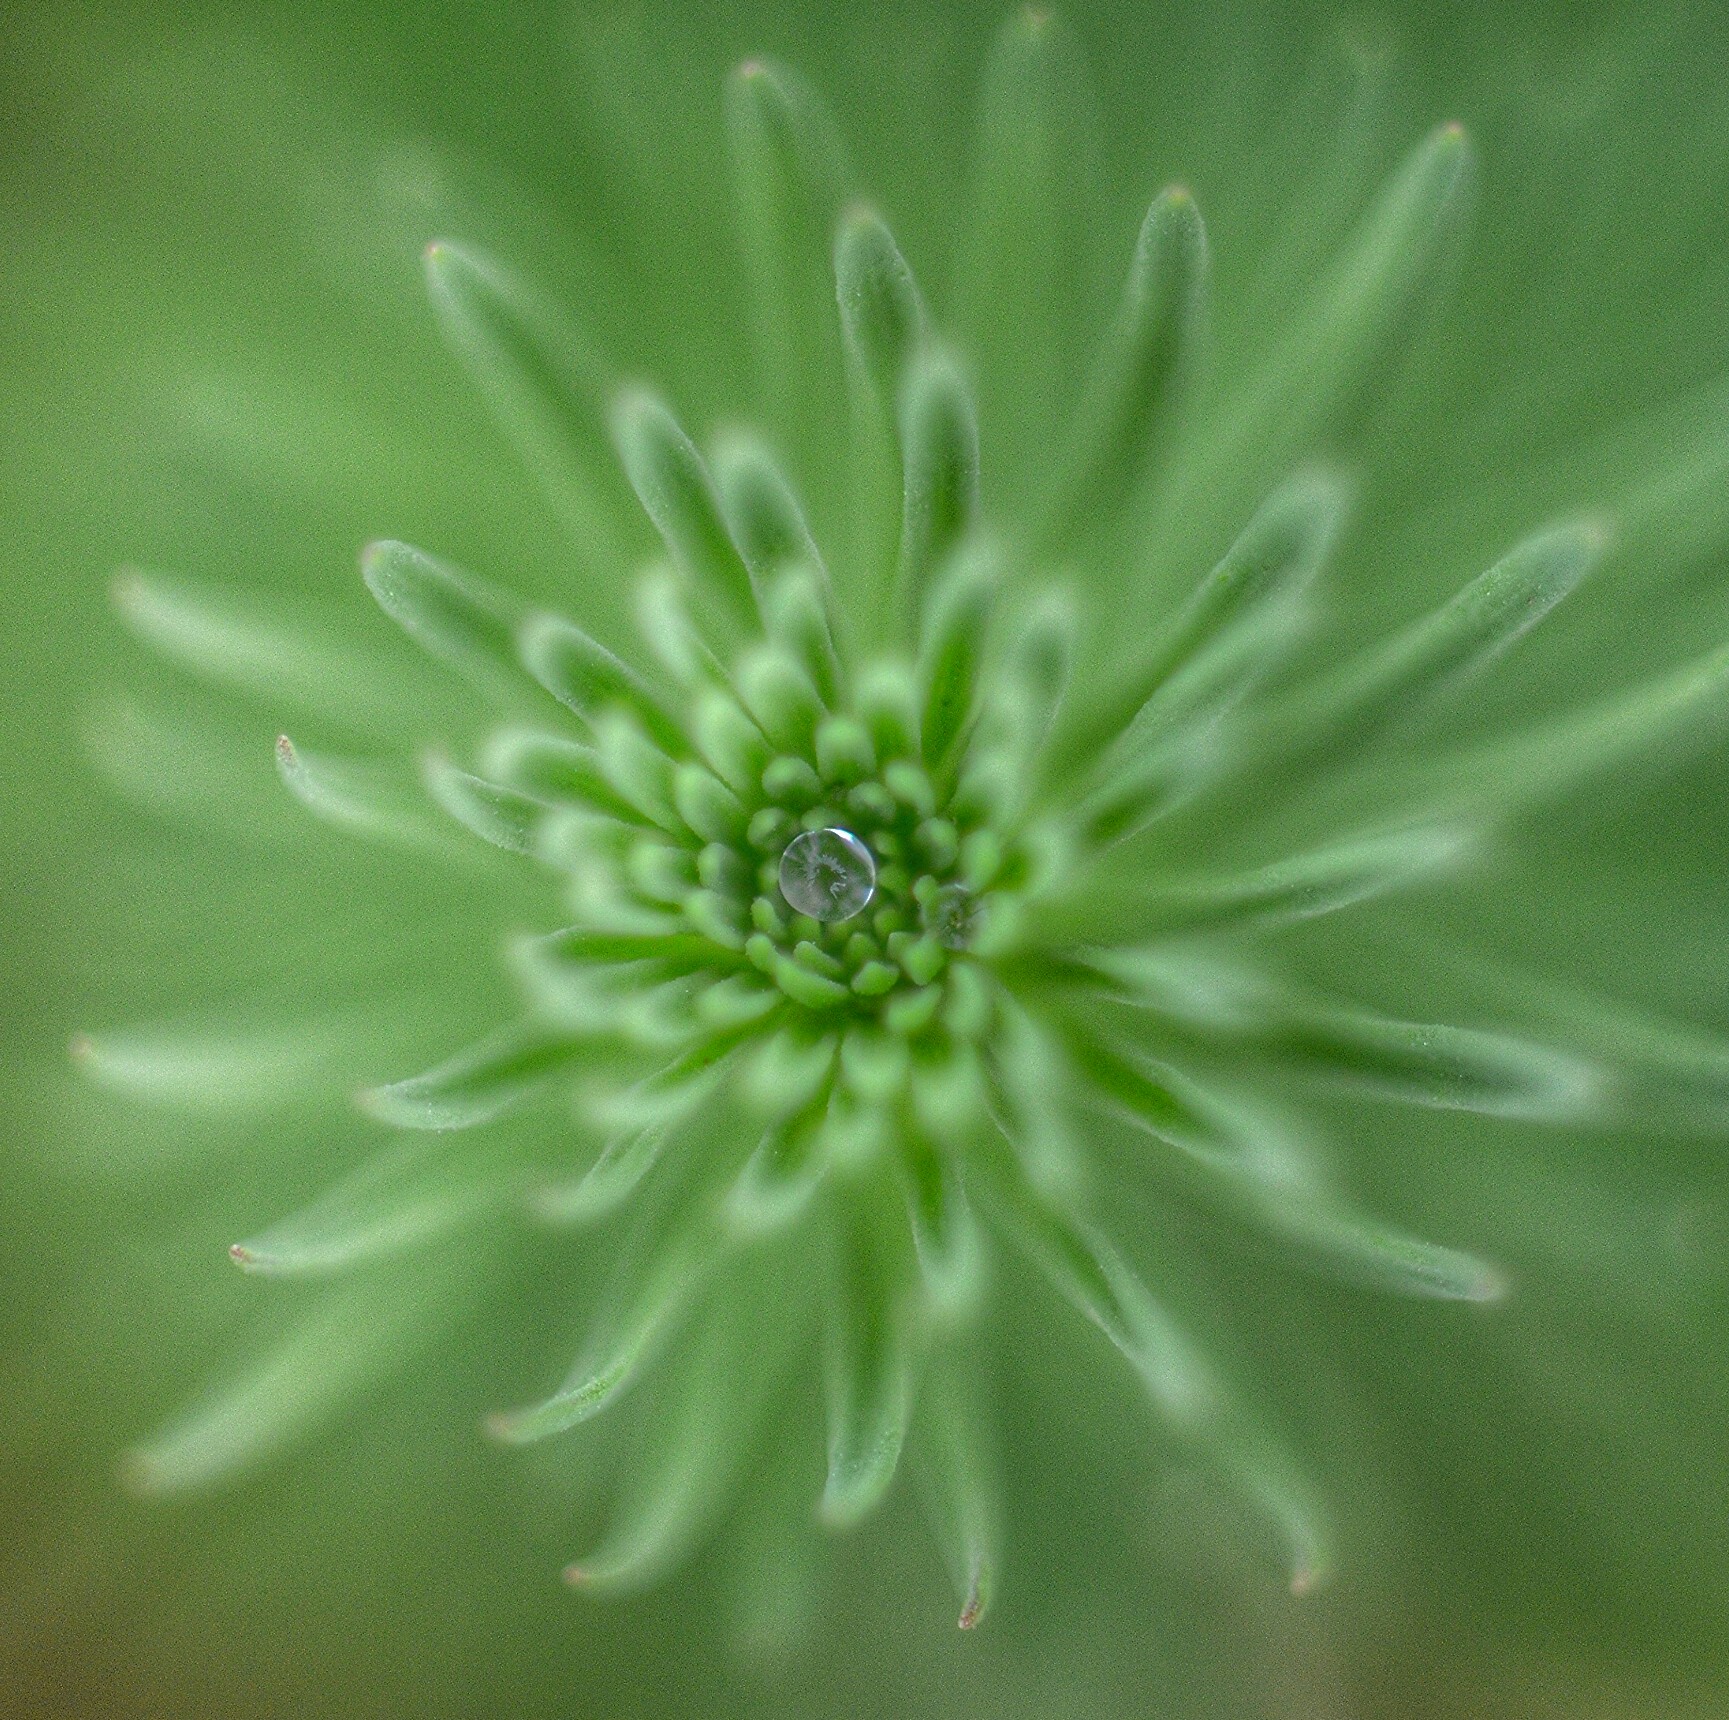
pixel 1056 661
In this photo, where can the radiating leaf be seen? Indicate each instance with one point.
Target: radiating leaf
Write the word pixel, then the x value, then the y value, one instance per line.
pixel 469 625
pixel 880 307
pixel 698 1446
pixel 478 1084
pixel 1322 881
pixel 951 1457
pixel 956 615
pixel 398 1200
pixel 946 1239
pixel 238 643
pixel 779 1180
pixel 551 768
pixel 1144 365
pixel 589 679
pixel 503 816
pixel 673 485
pixel 789 175
pixel 939 437
pixel 543 383
pixel 1433 655
pixel 652 1291
pixel 1247 597
pixel 868 1374
pixel 351 1339
pixel 363 797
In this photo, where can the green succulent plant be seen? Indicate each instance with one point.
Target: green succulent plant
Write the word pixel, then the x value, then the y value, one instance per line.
pixel 984 738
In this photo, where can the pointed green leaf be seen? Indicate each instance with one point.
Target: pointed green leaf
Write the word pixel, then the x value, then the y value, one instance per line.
pixel 762 513
pixel 550 768
pixel 363 797
pixel 1546 759
pixel 957 617
pixel 352 1337
pixel 1434 654
pixel 1323 881
pixel 789 174
pixel 1240 616
pixel 1447 1068
pixel 779 1180
pixel 868 1375
pixel 880 308
pixel 543 383
pixel 952 1460
pixel 234 1066
pixel 1034 1083
pixel 1025 251
pixel 476 1085
pixel 939 434
pixel 503 816
pixel 945 1234
pixel 220 637
pixel 1146 361
pixel 676 492
pixel 588 679
pixel 1355 317
pixel 700 1442
pixel 464 623
pixel 650 1295
pixel 397 1201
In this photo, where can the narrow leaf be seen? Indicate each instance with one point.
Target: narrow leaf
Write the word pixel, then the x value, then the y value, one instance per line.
pixel 1354 319
pixel 543 383
pixel 940 469
pixel 1034 1083
pixel 789 175
pixel 1026 277
pixel 550 768
pixel 1147 358
pixel 362 797
pixel 589 679
pixel 762 513
pixel 957 616
pixel 476 1085
pixel 1446 1068
pixel 868 1374
pixel 880 308
pixel 1545 760
pixel 222 1070
pixel 1087 1270
pixel 222 638
pixel 1434 654
pixel 945 1234
pixel 1303 887
pixel 397 1201
pixel 464 623
pixel 1239 1157
pixel 352 1337
pixel 677 494
pixel 779 1180
pixel 700 1443
pixel 503 816
pixel 951 1458
pixel 647 1301
pixel 1248 596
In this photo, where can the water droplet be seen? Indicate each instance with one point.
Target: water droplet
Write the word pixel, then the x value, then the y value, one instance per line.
pixel 952 916
pixel 828 874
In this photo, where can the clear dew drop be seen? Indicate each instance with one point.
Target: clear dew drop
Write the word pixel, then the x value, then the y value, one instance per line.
pixel 828 874
pixel 952 916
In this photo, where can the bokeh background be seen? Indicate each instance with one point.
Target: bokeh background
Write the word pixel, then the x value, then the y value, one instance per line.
pixel 214 357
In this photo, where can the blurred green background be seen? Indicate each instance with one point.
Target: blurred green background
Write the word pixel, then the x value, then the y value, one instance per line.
pixel 214 358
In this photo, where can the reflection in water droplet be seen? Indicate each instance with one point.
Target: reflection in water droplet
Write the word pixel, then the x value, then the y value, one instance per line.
pixel 828 874
pixel 952 916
